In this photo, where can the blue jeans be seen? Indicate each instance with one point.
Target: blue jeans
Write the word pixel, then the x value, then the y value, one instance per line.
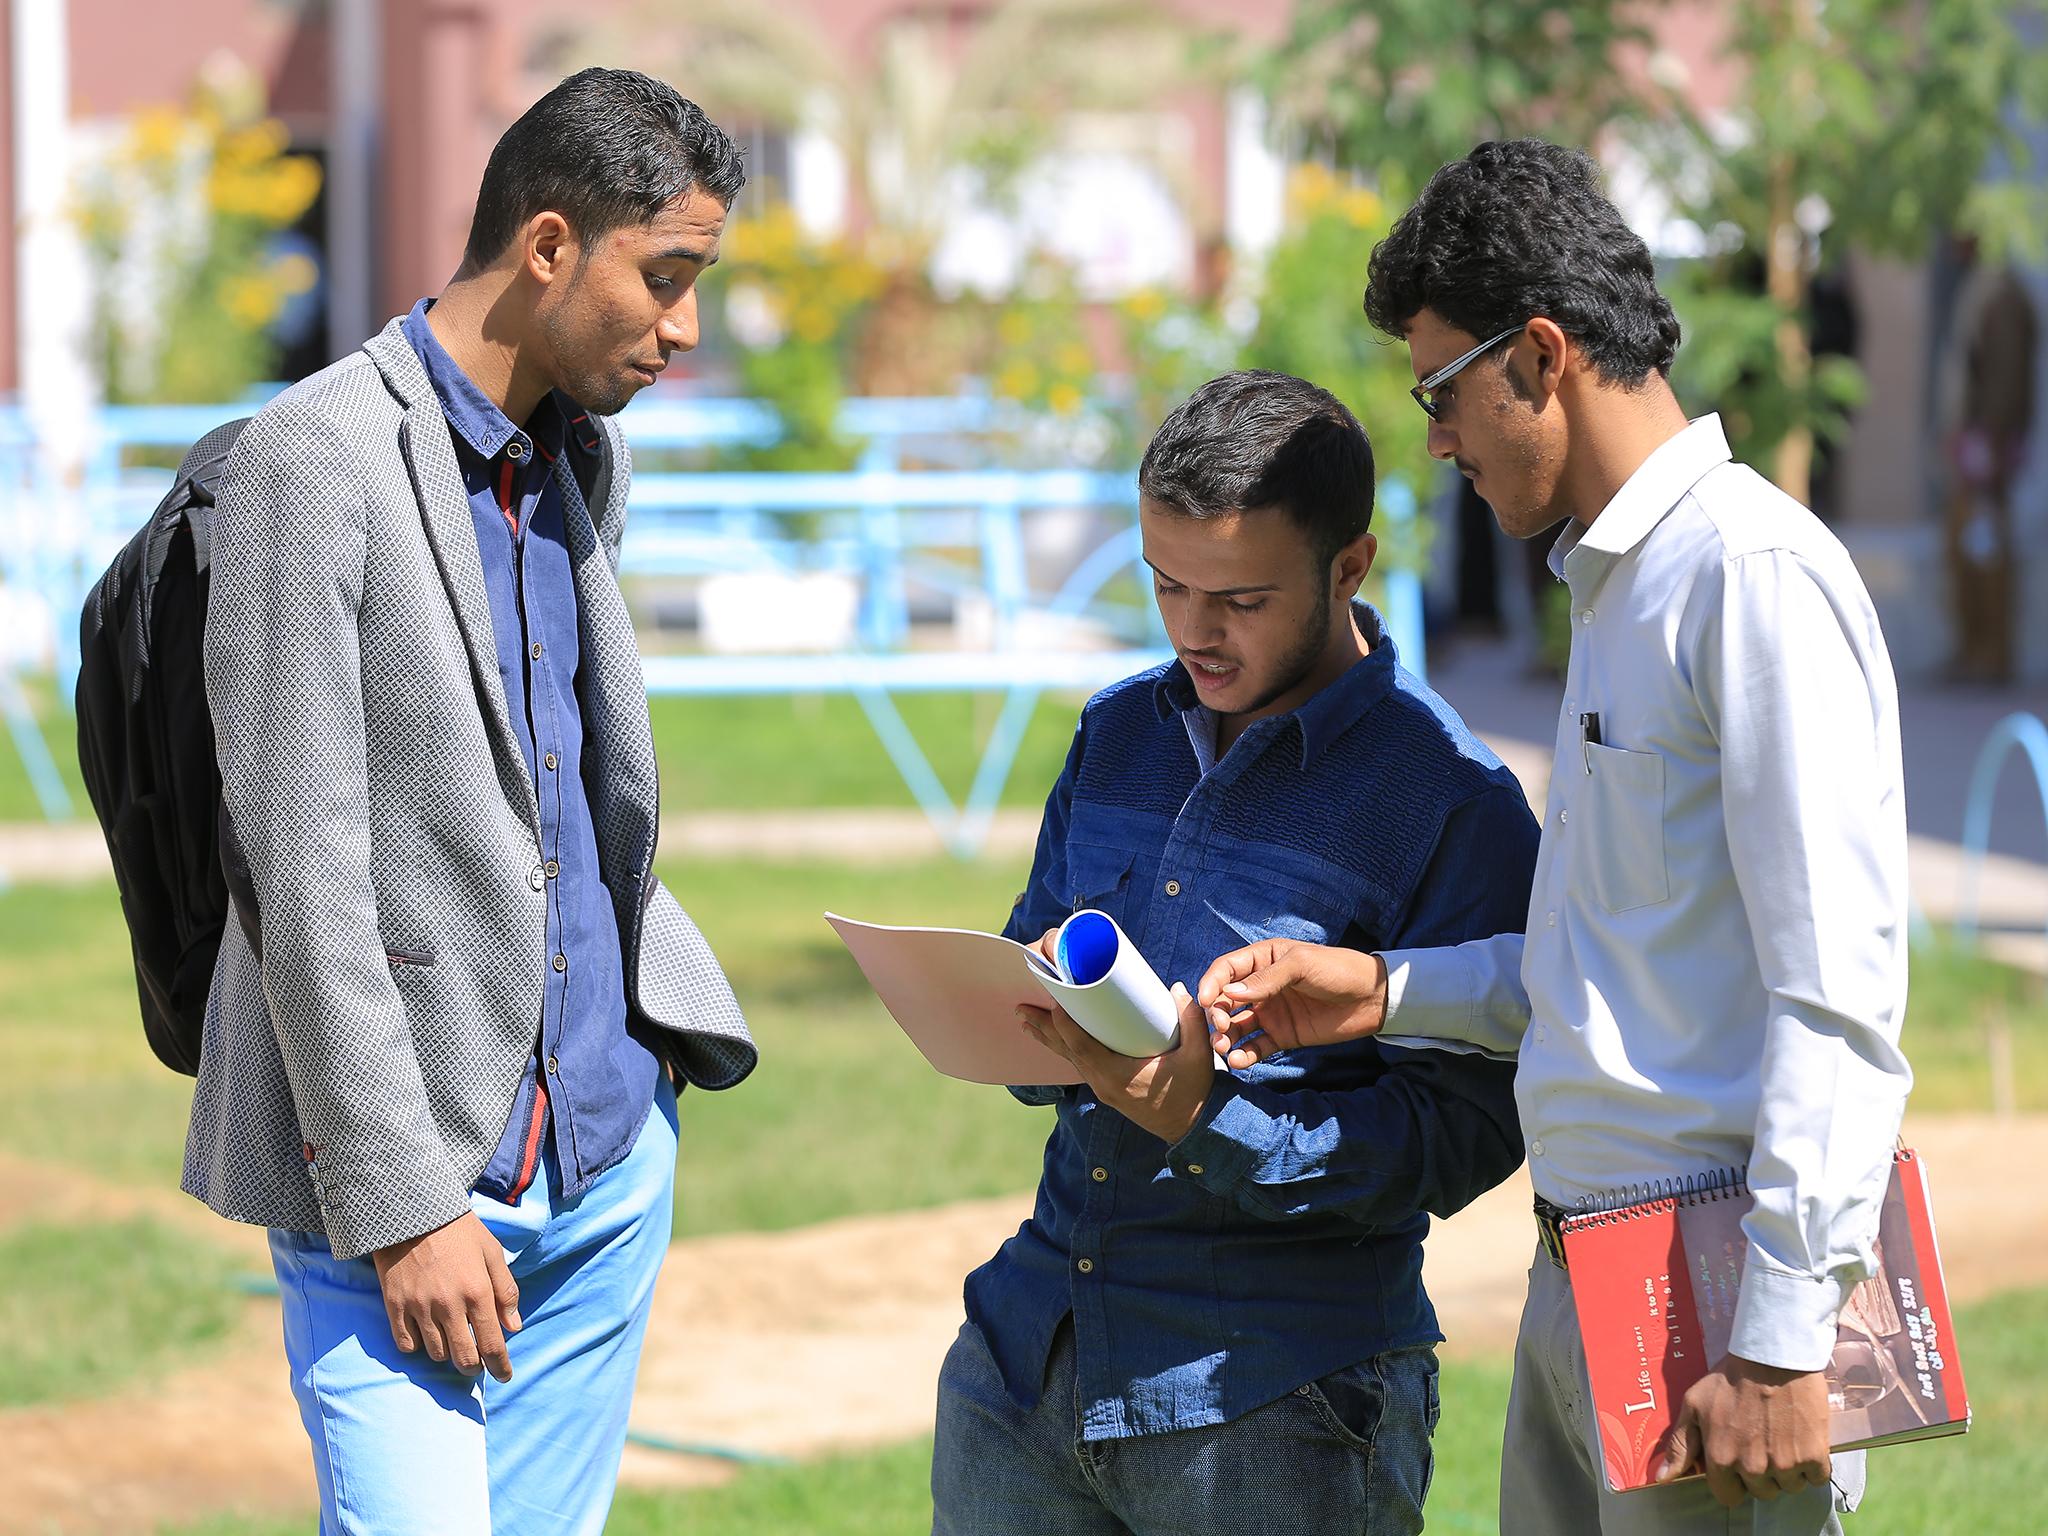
pixel 402 1445
pixel 1345 1456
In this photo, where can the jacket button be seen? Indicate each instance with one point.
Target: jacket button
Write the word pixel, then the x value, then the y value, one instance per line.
pixel 1086 1266
pixel 561 962
pixel 1194 1167
pixel 537 877
pixel 1173 887
pixel 1099 1175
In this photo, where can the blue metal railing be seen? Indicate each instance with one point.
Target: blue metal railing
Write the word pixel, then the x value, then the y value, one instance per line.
pixel 959 533
pixel 2019 732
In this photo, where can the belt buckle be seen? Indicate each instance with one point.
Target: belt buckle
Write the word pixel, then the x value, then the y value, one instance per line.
pixel 1547 1218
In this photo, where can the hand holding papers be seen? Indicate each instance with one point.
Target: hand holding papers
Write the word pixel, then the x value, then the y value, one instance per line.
pixel 956 994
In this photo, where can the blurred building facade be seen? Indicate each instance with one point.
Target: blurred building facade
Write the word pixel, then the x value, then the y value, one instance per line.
pixel 401 101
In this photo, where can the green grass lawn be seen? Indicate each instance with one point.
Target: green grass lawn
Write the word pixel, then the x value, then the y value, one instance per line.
pixel 840 1094
pixel 89 1308
pixel 1956 998
pixel 819 751
pixel 1983 1484
pixel 17 798
pixel 768 753
pixel 843 1115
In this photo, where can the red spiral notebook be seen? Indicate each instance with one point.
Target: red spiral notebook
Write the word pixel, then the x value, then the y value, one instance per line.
pixel 1655 1283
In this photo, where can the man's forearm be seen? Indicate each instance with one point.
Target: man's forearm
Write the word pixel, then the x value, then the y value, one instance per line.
pixel 1377 1155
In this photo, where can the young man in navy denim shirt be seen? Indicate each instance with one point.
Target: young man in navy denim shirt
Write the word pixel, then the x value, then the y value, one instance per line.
pixel 1214 1321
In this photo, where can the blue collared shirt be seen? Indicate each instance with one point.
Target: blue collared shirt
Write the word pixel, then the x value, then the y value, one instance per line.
pixel 590 1084
pixel 1281 1239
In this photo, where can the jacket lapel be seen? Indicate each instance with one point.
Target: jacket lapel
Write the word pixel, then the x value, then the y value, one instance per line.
pixel 429 453
pixel 612 693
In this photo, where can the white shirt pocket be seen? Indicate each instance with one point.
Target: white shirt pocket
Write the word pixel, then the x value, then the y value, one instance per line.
pixel 1624 835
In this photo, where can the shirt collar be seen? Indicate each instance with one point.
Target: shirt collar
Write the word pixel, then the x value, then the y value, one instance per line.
pixel 472 415
pixel 1659 484
pixel 1331 710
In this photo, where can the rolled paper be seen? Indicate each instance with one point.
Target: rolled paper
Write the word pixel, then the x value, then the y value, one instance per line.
pixel 1109 989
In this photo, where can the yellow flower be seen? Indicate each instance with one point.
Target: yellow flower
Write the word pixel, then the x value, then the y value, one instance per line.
pixel 290 185
pixel 1018 380
pixel 1146 305
pixel 1064 398
pixel 255 144
pixel 250 301
pixel 1360 207
pixel 1310 187
pixel 157 133
pixel 1013 329
pixel 1073 358
pixel 295 273
pixel 812 323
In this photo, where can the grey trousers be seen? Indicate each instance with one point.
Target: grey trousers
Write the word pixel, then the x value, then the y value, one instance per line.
pixel 1550 1482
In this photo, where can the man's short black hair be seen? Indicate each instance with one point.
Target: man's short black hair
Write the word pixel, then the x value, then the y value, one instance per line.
pixel 605 148
pixel 1519 229
pixel 1255 439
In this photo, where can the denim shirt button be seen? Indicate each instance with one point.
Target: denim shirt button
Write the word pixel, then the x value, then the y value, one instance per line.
pixel 1086 1266
pixel 1173 887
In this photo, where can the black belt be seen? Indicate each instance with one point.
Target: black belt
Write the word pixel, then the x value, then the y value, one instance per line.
pixel 1549 1216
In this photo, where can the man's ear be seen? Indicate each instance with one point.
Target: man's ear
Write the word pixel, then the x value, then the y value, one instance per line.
pixel 1352 565
pixel 548 249
pixel 1542 357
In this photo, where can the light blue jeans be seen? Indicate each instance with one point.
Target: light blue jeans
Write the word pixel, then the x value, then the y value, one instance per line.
pixel 1345 1456
pixel 403 1446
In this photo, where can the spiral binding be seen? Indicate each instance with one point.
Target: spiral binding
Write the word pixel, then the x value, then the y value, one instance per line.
pixel 1689 1189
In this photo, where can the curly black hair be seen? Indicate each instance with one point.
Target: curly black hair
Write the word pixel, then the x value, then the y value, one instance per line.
pixel 1518 229
pixel 1257 439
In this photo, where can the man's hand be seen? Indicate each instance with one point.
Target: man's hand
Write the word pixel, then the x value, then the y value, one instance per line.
pixel 1162 1094
pixel 1279 994
pixel 449 1291
pixel 1755 1430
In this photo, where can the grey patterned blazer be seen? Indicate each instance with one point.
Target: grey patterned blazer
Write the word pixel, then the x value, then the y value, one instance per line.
pixel 356 1078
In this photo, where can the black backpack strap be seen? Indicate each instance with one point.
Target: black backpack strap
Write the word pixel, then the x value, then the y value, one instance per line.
pixel 199 478
pixel 590 458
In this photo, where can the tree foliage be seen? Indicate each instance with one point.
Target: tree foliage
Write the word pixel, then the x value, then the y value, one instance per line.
pixel 1882 123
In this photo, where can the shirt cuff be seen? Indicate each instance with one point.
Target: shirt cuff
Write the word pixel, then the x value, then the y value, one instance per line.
pixel 1460 996
pixel 1430 992
pixel 1784 1319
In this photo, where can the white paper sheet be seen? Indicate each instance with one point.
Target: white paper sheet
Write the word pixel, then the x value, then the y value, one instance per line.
pixel 955 992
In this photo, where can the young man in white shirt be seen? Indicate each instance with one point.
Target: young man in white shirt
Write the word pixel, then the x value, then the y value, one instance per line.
pixel 1715 966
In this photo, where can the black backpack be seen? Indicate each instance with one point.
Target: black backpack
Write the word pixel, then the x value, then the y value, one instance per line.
pixel 146 748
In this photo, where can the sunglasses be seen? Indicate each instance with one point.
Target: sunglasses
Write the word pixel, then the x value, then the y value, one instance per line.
pixel 1425 392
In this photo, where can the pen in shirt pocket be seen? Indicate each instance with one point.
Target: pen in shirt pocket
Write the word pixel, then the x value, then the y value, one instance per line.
pixel 1589 736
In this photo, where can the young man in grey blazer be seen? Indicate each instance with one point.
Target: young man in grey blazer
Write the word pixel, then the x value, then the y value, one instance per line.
pixel 444 1076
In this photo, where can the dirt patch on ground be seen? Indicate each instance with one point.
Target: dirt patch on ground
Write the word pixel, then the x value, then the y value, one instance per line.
pixel 798 1343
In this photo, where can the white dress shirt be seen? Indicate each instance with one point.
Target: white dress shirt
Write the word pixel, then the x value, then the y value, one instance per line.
pixel 1715 968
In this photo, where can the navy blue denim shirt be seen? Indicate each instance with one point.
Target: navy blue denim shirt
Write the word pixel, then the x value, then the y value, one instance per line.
pixel 1281 1239
pixel 590 1084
